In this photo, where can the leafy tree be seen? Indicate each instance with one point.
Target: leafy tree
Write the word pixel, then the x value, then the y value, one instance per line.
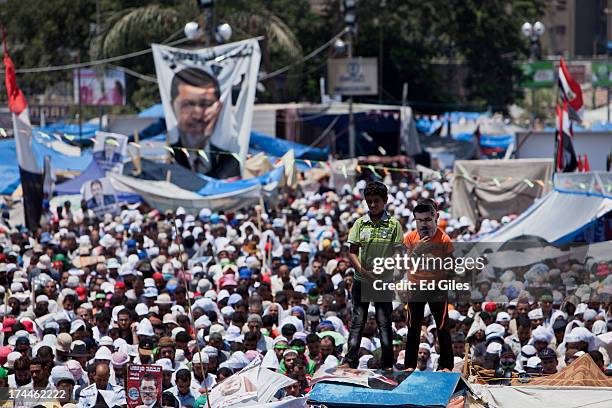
pixel 483 36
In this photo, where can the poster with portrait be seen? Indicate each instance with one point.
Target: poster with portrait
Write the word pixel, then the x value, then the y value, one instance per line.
pixel 99 87
pixel 100 196
pixel 109 151
pixel 208 96
pixel 144 386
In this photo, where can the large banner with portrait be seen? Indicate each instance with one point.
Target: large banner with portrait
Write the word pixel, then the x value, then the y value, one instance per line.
pixel 208 96
pixel 109 151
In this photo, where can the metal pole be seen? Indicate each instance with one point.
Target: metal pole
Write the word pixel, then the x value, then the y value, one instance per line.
pixel 79 86
pixel 380 61
pixel 351 127
pixel 608 105
pixel 533 107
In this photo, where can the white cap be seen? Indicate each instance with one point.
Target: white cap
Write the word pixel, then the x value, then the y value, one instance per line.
pixel 103 353
pixel 534 362
pixel 145 328
pixel 494 348
pixel 141 309
pixel 200 358
pixel 502 317
pixel 106 341
pixel 59 373
pixel 425 346
pixel 165 364
pixel 589 315
pixel 42 298
pixel 535 314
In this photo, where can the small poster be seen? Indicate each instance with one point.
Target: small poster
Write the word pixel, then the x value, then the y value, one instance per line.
pixel 109 151
pixel 99 87
pixel 100 197
pixel 144 386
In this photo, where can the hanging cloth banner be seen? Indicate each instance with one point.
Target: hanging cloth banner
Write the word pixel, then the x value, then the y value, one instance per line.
pixel 208 97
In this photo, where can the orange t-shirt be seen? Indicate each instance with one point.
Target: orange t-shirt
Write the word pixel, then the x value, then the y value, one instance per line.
pixel 443 248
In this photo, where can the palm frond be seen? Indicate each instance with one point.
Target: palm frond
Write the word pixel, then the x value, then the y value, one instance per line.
pixel 136 28
pixel 280 36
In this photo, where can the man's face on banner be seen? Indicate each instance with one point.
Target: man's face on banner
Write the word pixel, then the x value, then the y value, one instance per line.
pixel 148 392
pixel 109 148
pixel 96 190
pixel 196 110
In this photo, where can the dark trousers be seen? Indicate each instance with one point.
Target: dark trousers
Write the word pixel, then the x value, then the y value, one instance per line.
pixel 358 321
pixel 439 310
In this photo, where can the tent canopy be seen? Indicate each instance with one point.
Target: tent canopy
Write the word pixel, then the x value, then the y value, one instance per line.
pixel 494 188
pixel 278 147
pixel 569 213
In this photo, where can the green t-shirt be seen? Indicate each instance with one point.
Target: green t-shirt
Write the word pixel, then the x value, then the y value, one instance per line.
pixel 375 240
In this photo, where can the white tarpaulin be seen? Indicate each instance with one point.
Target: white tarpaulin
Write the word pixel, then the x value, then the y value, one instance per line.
pixel 495 188
pixel 208 96
pixel 542 396
pixel 254 385
pixel 167 196
pixel 562 212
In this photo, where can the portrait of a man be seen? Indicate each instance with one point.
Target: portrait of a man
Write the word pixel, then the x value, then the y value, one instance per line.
pixel 195 97
pixel 148 392
pixel 98 198
pixel 110 153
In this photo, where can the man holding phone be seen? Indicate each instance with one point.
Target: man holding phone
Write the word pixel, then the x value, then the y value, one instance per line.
pixel 428 240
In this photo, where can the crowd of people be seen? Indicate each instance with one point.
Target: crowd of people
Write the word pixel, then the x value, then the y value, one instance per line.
pixel 204 294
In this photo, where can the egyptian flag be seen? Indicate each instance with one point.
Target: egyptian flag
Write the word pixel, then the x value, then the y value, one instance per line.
pixel 571 92
pixel 31 174
pixel 565 157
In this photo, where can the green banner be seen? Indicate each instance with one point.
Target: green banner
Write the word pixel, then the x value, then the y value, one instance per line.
pixel 538 74
pixel 602 74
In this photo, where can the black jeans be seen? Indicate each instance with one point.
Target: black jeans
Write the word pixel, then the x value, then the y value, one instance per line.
pixel 439 310
pixel 358 321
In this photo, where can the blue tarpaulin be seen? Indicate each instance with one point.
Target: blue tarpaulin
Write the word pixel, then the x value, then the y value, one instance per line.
pixel 274 146
pixel 71 131
pixel 420 389
pixel 216 187
pixel 492 141
pixel 155 111
pixel 9 176
pixel 74 186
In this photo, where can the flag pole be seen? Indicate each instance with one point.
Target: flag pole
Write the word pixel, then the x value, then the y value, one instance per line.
pixel 190 311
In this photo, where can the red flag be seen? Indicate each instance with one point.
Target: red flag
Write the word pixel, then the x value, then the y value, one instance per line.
pixel 579 164
pixel 587 166
pixel 17 101
pixel 30 173
pixel 570 90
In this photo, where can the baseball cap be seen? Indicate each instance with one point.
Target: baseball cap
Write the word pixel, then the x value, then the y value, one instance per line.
pixel 145 347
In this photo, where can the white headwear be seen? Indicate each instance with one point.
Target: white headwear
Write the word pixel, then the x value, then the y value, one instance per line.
pixel 542 333
pixel 145 328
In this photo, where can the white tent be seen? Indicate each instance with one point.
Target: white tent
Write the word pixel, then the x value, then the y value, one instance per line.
pixel 500 396
pixel 577 201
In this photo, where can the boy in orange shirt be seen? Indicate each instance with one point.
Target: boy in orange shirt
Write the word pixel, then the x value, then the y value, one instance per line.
pixel 428 239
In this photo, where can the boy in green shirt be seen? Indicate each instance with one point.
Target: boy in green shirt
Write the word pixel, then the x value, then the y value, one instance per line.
pixel 375 235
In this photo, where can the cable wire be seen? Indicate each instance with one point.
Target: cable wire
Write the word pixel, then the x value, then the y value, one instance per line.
pixel 92 63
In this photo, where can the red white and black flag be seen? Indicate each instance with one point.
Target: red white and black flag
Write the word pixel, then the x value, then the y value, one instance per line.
pixel 31 174
pixel 565 157
pixel 571 92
